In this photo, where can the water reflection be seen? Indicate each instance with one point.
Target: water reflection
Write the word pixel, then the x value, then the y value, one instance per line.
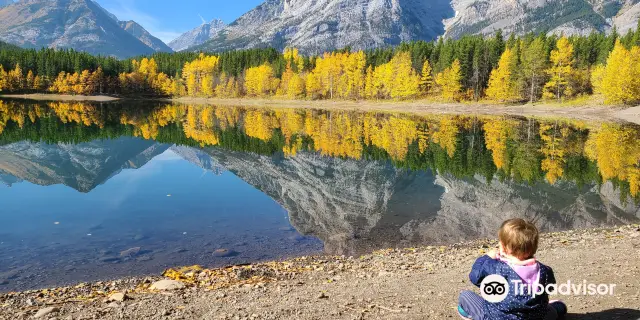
pixel 357 181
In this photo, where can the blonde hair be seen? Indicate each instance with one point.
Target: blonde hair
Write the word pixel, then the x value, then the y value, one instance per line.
pixel 519 238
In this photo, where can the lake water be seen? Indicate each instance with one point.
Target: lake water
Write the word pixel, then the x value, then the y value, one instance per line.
pixel 90 191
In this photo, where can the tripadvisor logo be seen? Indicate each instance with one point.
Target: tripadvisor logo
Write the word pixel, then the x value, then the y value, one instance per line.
pixel 494 288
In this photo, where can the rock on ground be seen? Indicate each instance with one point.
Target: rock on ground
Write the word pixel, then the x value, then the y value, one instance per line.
pixel 167 285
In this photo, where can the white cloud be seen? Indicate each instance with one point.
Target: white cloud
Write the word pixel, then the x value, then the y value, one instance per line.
pixel 126 10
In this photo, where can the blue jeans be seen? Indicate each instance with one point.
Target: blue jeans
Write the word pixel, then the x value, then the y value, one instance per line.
pixel 473 304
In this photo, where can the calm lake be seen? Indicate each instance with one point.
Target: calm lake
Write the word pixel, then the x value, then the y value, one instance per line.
pixel 97 191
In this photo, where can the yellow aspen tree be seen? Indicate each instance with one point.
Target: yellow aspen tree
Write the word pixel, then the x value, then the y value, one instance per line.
pixel 450 80
pixel 194 72
pixel 37 83
pixel 3 78
pixel 313 86
pixel 284 82
pixel 405 83
pixel 327 73
pixel 30 77
pixel 232 88
pixel 502 83
pixel 192 84
pixel 369 87
pixel 426 78
pixel 560 71
pixel 597 75
pixel 207 85
pixel 294 59
pixel 354 69
pixel 97 81
pixel 220 90
pixel 15 79
pixel 84 82
pixel 618 80
pixel 295 87
pixel 259 81
pixel 383 76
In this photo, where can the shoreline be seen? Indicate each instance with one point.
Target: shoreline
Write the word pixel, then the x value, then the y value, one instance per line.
pixel 588 111
pixel 59 97
pixel 415 283
pixel 585 112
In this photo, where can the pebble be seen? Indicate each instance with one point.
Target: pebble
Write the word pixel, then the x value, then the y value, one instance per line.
pixel 44 312
pixel 131 252
pixel 167 285
pixel 118 296
pixel 224 253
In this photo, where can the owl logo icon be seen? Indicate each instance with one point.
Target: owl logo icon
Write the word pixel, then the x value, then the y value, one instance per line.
pixel 494 288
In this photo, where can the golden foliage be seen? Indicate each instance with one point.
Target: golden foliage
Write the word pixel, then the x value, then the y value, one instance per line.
pixel 260 81
pixel 502 82
pixel 450 80
pixel 560 71
pixel 619 79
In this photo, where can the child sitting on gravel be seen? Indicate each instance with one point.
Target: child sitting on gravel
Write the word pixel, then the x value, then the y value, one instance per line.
pixel 515 263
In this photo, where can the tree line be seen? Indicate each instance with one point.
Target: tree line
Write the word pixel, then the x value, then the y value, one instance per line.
pixel 525 68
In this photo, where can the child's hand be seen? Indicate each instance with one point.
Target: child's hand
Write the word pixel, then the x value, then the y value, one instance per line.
pixel 493 253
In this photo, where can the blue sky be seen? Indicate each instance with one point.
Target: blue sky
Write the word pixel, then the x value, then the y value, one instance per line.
pixel 168 19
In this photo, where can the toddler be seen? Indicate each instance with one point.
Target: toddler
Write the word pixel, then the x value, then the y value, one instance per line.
pixel 516 263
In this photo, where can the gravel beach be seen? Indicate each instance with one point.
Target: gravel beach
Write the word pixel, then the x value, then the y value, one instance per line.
pixel 412 283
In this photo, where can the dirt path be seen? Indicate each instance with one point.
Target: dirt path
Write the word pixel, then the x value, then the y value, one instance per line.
pixel 420 283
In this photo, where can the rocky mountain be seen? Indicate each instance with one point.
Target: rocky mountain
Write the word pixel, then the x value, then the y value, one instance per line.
pixel 79 24
pixel 197 36
pixel 321 25
pixel 143 35
pixel 553 16
pixel 317 26
pixel 80 166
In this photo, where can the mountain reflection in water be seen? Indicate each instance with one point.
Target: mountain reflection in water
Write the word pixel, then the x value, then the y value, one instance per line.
pixel 356 181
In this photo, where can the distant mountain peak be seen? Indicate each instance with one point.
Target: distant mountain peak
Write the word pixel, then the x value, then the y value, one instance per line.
pixel 198 35
pixel 82 25
pixel 143 35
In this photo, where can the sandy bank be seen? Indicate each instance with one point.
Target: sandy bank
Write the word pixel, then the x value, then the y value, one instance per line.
pixel 417 283
pixel 587 112
pixel 590 111
pixel 59 97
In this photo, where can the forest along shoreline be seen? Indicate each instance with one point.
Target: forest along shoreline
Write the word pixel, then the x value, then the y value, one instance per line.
pixel 413 283
pixel 586 112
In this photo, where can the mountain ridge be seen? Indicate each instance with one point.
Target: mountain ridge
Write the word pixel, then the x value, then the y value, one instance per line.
pixel 197 36
pixel 82 25
pixel 324 25
pixel 136 30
